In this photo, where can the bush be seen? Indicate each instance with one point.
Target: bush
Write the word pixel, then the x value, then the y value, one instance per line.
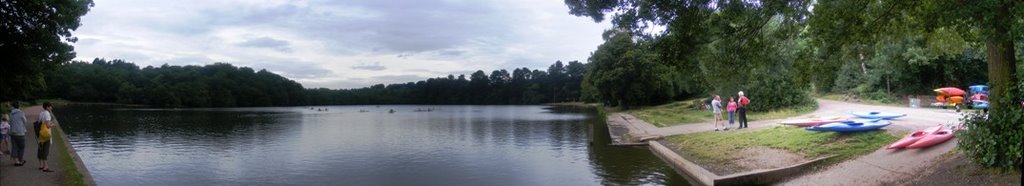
pixel 776 92
pixel 995 140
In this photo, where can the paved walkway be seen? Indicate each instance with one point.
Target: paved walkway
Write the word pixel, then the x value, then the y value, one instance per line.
pixel 29 174
pixel 880 167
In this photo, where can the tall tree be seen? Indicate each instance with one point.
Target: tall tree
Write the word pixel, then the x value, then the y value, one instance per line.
pixel 34 38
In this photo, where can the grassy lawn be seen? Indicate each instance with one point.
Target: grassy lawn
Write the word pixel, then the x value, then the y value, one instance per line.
pixel 684 112
pixel 720 147
pixel 675 113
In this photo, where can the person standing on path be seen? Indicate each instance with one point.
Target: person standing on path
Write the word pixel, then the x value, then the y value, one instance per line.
pixel 18 134
pixel 45 119
pixel 742 109
pixel 4 127
pixel 716 107
pixel 731 108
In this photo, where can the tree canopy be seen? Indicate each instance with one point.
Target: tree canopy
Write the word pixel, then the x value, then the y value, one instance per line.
pixel 716 47
pixel 34 38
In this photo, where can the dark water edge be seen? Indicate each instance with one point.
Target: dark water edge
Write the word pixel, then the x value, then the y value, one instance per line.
pixel 463 145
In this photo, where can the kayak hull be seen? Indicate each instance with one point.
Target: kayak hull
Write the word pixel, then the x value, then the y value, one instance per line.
pixel 851 126
pixel 812 121
pixel 878 115
pixel 932 139
pixel 913 137
pixel 808 122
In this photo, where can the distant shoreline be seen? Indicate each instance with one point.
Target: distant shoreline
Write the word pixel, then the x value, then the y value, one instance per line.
pixel 572 104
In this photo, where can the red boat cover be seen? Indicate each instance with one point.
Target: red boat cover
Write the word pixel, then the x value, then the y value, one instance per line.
pixel 979 97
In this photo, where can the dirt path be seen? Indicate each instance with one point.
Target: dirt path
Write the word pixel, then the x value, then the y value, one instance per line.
pixel 28 174
pixel 880 167
pixel 883 166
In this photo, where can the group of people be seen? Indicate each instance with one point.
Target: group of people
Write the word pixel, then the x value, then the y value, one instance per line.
pixel 737 111
pixel 13 130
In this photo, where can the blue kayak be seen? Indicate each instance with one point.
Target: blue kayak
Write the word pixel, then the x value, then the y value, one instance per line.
pixel 852 126
pixel 878 115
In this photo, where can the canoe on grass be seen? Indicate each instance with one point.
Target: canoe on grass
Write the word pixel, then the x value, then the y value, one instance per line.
pixel 812 121
pixel 851 126
pixel 878 115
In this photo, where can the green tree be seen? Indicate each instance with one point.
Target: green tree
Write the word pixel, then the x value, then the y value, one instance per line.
pixel 624 74
pixel 34 38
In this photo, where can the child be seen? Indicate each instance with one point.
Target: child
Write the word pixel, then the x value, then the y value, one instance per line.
pixel 732 111
pixel 716 106
pixel 4 127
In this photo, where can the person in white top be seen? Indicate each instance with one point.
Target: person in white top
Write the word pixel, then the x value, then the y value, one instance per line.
pixel 45 118
pixel 716 109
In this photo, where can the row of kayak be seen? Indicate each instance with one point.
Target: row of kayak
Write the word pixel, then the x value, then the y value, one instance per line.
pixel 874 121
pixel 871 117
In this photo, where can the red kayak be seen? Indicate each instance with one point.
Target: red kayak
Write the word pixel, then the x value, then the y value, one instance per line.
pixel 942 135
pixel 812 121
pixel 950 91
pixel 913 137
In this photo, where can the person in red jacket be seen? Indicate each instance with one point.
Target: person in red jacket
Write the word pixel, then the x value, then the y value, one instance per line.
pixel 742 110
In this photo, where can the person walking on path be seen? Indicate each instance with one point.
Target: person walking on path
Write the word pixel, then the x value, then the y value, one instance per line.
pixel 742 110
pixel 43 132
pixel 18 134
pixel 731 108
pixel 716 107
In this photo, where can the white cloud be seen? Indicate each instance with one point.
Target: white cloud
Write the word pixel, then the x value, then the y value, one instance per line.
pixel 340 44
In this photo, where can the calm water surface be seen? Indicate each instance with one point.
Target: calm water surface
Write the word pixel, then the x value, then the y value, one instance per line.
pixel 452 145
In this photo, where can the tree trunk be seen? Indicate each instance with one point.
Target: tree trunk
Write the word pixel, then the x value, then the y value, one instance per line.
pixel 1002 71
pixel 863 65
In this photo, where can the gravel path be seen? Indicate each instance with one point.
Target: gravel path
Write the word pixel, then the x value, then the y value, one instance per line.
pixel 28 174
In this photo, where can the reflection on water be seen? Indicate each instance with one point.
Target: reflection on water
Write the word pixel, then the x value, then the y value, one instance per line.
pixel 450 145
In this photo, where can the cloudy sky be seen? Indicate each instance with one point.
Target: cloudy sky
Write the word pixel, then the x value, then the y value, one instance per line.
pixel 340 43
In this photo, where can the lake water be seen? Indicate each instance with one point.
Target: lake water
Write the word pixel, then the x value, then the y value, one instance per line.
pixel 451 145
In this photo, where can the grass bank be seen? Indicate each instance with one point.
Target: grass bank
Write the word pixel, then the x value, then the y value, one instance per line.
pixel 685 112
pixel 721 147
pixel 73 176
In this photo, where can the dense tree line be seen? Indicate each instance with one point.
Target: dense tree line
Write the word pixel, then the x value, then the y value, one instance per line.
pixel 215 85
pixel 559 83
pixel 224 85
